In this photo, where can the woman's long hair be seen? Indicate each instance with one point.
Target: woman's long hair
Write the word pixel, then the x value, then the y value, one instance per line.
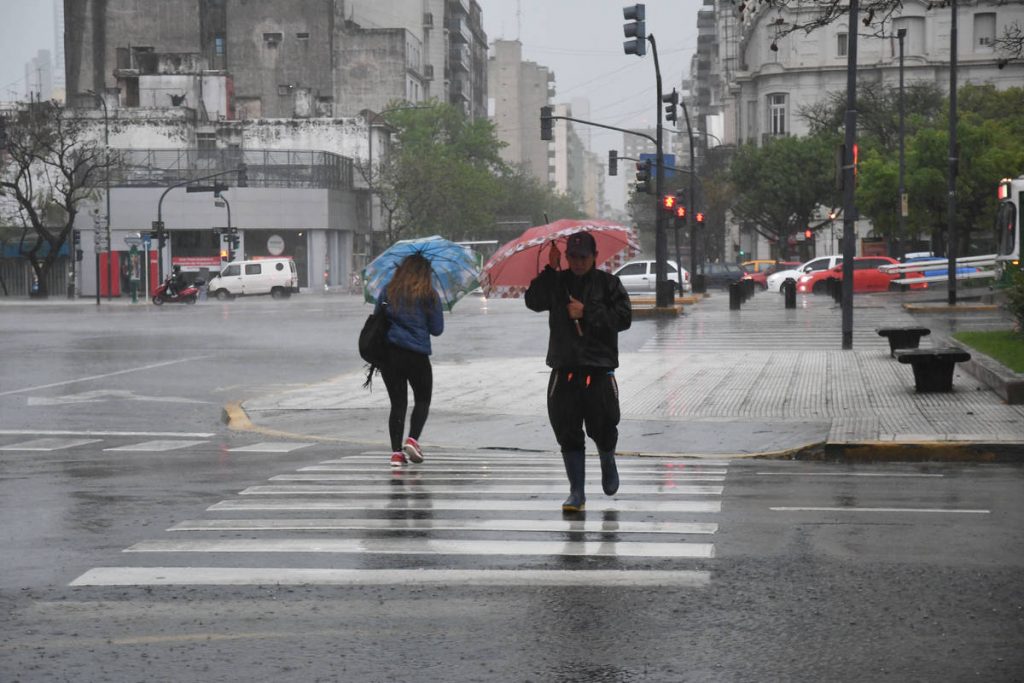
pixel 412 283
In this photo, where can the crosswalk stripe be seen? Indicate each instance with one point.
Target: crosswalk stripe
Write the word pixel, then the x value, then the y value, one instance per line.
pixel 47 444
pixel 593 505
pixel 390 489
pixel 289 576
pixel 460 477
pixel 515 459
pixel 484 469
pixel 404 546
pixel 435 524
pixel 157 445
pixel 270 447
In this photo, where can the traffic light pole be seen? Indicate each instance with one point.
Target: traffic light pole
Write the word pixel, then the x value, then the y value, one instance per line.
pixel 690 221
pixel 663 295
pixel 161 234
pixel 849 191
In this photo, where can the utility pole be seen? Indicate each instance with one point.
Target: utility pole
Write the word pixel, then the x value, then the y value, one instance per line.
pixel 951 243
pixel 849 174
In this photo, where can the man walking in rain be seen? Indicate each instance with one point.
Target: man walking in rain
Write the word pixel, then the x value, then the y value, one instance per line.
pixel 587 308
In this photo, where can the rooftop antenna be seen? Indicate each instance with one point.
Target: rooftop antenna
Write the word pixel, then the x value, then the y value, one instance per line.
pixel 519 18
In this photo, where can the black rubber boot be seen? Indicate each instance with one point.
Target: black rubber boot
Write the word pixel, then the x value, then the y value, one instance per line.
pixel 575 469
pixel 609 473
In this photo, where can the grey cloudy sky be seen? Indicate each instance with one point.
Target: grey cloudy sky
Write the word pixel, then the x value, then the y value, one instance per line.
pixel 580 40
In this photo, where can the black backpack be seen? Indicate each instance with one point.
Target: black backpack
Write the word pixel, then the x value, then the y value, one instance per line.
pixel 373 341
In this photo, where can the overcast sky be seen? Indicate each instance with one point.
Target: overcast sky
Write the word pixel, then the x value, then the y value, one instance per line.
pixel 580 40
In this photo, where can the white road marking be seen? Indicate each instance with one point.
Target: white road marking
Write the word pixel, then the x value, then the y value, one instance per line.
pixel 419 474
pixel 430 467
pixel 158 445
pixel 846 474
pixel 270 447
pixel 61 432
pixel 47 444
pixel 269 576
pixel 434 524
pixel 851 509
pixel 109 374
pixel 101 395
pixel 423 546
pixel 508 459
pixel 593 505
pixel 396 488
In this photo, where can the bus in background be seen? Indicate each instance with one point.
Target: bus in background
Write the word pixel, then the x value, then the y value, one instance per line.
pixel 1008 224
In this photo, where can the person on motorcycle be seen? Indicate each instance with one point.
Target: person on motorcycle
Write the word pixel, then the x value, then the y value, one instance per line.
pixel 174 283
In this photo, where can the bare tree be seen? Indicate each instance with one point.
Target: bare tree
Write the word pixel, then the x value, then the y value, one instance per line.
pixel 49 165
pixel 807 15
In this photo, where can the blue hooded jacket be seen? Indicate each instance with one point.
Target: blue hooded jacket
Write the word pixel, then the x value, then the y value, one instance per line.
pixel 412 327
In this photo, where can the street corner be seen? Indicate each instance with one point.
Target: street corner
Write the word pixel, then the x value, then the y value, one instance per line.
pixel 921 451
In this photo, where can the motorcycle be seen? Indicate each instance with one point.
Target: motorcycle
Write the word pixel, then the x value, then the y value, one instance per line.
pixel 188 294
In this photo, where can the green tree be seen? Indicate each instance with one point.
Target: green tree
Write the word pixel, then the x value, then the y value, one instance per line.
pixel 780 186
pixel 48 166
pixel 524 201
pixel 442 175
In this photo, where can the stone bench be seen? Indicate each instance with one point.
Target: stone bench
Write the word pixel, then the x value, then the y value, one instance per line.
pixel 903 337
pixel 933 368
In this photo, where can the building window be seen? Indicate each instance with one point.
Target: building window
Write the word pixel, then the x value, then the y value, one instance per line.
pixel 218 44
pixel 842 44
pixel 751 120
pixel 273 39
pixel 302 36
pixel 913 43
pixel 777 114
pixel 984 31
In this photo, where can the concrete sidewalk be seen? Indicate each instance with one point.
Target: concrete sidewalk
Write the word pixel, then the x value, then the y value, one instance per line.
pixel 763 381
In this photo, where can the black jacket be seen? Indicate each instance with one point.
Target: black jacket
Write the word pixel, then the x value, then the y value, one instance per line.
pixel 606 312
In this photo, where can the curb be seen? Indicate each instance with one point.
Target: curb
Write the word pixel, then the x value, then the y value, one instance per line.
pixel 1007 384
pixel 922 451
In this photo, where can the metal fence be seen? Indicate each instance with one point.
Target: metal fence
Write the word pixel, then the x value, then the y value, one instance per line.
pixel 17 278
pixel 263 167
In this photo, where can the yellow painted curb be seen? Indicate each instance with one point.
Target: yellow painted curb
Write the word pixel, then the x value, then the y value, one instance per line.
pixel 946 308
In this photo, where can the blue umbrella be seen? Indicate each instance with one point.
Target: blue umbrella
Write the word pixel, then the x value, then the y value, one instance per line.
pixel 455 268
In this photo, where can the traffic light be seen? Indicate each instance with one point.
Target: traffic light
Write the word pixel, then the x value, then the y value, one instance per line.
pixel 643 177
pixel 671 101
pixel 699 217
pixel 808 234
pixel 546 123
pixel 613 162
pixel 668 202
pixel 636 30
pixel 680 211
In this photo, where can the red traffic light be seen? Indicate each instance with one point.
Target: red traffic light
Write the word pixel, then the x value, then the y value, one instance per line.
pixel 808 233
pixel 700 216
pixel 668 202
pixel 680 211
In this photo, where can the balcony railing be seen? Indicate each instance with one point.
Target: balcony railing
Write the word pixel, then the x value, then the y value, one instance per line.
pixel 264 167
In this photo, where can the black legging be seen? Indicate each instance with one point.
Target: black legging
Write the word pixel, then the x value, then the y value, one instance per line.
pixel 407 367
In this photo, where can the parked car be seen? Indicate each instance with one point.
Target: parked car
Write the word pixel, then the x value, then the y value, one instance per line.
pixel 761 276
pixel 721 274
pixel 640 276
pixel 866 276
pixel 776 279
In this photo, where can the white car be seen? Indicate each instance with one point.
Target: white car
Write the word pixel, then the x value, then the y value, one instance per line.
pixel 640 276
pixel 775 280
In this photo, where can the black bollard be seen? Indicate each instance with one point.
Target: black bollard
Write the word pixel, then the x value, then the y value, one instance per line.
pixel 789 291
pixel 697 280
pixel 734 296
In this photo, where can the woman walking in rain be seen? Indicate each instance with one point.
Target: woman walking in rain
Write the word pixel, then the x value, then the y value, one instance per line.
pixel 414 310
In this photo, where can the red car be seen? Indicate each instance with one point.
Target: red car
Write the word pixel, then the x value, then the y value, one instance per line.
pixel 761 276
pixel 866 276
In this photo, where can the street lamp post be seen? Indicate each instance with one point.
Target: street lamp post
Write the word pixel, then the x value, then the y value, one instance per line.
pixel 951 246
pixel 900 35
pixel 110 244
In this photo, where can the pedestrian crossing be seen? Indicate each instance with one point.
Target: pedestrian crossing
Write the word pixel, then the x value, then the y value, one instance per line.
pixel 462 518
pixel 68 442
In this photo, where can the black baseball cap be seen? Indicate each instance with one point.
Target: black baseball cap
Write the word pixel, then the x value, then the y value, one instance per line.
pixel 580 244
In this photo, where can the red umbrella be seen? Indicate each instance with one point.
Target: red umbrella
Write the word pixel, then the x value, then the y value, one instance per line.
pixel 509 272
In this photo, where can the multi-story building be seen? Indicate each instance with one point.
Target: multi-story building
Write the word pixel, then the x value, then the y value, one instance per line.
pixel 274 82
pixel 39 77
pixel 518 90
pixel 750 81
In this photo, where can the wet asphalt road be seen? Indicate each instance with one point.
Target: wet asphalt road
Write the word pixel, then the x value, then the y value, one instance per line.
pixel 819 571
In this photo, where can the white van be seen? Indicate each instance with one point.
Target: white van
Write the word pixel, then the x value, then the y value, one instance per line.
pixel 277 277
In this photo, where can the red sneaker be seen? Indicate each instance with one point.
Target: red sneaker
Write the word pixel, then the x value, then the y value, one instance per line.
pixel 413 450
pixel 397 459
